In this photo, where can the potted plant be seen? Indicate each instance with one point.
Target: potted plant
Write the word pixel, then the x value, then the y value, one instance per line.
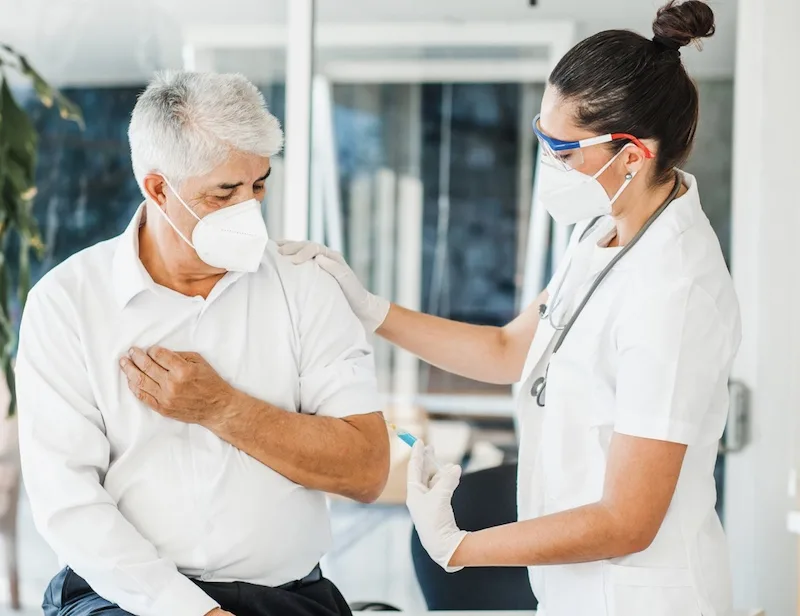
pixel 18 232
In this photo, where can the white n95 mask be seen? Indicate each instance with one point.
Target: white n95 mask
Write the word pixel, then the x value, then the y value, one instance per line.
pixel 571 196
pixel 232 238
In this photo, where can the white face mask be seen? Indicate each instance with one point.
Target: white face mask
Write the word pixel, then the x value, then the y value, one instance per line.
pixel 232 238
pixel 572 196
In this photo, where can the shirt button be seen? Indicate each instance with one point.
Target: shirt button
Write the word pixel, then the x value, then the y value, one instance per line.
pixel 206 576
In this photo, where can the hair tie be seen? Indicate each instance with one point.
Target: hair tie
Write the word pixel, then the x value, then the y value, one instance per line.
pixel 667 43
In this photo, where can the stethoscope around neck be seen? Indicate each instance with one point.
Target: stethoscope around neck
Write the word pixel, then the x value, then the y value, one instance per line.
pixel 539 387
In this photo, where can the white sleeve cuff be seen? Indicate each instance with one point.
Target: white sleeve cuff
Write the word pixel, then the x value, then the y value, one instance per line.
pixel 182 597
pixel 670 430
pixel 353 400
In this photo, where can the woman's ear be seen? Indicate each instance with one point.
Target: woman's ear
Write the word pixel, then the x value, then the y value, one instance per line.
pixel 633 158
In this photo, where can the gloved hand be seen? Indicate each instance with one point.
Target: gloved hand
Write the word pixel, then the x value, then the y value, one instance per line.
pixel 370 309
pixel 429 498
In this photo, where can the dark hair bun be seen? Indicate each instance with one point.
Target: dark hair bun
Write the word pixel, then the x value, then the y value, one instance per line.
pixel 684 22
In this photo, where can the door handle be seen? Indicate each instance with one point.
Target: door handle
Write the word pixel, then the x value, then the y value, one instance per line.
pixel 737 431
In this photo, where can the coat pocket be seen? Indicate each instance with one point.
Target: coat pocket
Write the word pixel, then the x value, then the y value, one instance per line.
pixel 655 591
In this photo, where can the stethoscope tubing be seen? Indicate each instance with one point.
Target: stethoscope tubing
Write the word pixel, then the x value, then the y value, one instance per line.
pixel 540 384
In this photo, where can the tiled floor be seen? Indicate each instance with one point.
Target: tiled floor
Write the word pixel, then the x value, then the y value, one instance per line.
pixel 370 560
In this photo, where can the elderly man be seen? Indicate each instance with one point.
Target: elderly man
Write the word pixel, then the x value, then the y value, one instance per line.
pixel 186 397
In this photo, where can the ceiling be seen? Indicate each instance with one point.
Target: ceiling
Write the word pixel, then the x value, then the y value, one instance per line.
pixel 124 41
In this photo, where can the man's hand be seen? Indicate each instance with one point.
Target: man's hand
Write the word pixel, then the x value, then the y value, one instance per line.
pixel 218 611
pixel 181 386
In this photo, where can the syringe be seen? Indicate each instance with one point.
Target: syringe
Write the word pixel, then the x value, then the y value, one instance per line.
pixel 409 439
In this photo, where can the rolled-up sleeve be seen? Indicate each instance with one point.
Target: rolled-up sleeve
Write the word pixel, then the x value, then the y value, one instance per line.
pixel 674 357
pixel 337 367
pixel 65 457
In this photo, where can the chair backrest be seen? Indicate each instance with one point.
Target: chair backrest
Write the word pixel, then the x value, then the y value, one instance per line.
pixel 485 498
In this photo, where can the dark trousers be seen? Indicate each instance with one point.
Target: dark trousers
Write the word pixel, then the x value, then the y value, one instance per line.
pixel 69 595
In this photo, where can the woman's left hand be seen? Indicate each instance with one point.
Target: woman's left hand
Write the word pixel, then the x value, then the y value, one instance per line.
pixel 429 501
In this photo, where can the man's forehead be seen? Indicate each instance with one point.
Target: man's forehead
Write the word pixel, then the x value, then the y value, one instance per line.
pixel 238 172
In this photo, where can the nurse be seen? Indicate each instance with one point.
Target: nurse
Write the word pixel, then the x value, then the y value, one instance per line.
pixel 624 359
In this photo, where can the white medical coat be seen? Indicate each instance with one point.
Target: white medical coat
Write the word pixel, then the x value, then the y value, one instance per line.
pixel 649 356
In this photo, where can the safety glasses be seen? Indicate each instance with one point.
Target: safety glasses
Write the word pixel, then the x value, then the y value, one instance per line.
pixel 568 155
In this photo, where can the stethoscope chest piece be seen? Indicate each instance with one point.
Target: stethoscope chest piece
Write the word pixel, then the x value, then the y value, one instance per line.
pixel 540 385
pixel 538 390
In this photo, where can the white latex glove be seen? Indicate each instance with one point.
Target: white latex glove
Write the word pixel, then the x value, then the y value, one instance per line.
pixel 370 309
pixel 429 499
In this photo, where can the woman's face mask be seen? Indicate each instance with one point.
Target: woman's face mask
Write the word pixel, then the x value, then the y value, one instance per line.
pixel 232 238
pixel 571 196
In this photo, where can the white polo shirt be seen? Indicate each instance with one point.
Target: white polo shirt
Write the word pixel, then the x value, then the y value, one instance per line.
pixel 133 501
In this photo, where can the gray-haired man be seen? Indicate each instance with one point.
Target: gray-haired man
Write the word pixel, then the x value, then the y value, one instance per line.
pixel 186 397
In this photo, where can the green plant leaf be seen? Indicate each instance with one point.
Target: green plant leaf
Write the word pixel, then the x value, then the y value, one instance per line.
pixel 43 89
pixel 12 386
pixel 46 93
pixel 7 334
pixel 24 269
pixel 69 110
pixel 49 95
pixel 18 139
pixel 18 149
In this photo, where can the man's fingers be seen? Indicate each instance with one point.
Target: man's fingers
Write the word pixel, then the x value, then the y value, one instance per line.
pixel 146 364
pixel 138 381
pixel 147 399
pixel 169 360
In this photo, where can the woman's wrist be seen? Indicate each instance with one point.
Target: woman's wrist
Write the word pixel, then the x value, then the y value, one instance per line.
pixel 386 310
pixel 463 556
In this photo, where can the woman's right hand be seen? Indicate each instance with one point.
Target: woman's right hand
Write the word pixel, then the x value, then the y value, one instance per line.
pixel 370 309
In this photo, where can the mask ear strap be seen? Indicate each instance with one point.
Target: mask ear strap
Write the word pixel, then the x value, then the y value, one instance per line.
pixel 169 220
pixel 608 164
pixel 183 203
pixel 628 178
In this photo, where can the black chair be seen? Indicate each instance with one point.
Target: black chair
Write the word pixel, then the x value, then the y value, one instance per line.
pixel 372 606
pixel 484 498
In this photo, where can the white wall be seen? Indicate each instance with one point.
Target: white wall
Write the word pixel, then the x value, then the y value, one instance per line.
pixel 117 42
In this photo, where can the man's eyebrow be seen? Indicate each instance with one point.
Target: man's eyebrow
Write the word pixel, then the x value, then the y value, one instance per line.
pixel 230 186
pixel 238 184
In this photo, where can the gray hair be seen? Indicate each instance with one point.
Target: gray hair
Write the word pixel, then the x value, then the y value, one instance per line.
pixel 186 124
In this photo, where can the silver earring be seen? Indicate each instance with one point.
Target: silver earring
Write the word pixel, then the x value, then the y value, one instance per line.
pixel 629 176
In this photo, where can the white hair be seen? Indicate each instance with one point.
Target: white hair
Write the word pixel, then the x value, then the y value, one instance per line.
pixel 186 124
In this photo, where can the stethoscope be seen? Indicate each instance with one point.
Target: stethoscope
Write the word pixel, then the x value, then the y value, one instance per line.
pixel 540 384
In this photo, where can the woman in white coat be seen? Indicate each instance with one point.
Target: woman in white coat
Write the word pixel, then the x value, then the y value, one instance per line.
pixel 624 358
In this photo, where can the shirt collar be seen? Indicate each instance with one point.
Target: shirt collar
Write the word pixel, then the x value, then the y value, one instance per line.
pixel 130 276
